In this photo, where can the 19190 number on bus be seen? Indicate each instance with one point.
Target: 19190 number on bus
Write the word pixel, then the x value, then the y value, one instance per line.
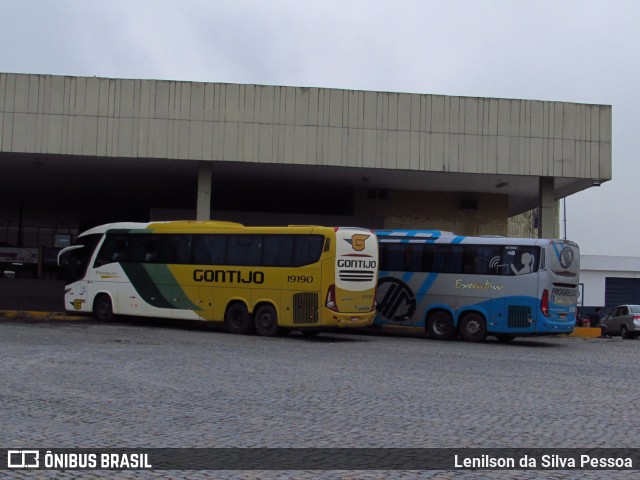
pixel 299 279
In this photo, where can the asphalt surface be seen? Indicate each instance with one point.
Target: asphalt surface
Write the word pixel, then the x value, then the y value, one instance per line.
pixel 134 384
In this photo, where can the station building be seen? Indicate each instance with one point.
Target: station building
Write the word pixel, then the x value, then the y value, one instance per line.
pixel 608 281
pixel 76 152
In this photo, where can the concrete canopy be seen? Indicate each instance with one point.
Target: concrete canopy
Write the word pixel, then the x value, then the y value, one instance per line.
pixel 77 135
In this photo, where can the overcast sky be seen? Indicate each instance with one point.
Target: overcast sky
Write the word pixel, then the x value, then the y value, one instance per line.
pixel 582 51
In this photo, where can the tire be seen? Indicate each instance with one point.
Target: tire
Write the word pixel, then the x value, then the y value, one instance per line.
pixel 238 320
pixel 440 325
pixel 266 320
pixel 103 308
pixel 473 328
pixel 624 332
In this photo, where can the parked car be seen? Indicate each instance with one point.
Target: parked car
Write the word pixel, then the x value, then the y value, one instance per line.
pixel 623 320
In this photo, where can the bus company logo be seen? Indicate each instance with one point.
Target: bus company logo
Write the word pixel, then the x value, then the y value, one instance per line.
pixel 396 301
pixel 77 303
pixel 357 241
pixel 566 257
pixel 23 459
pixel 487 285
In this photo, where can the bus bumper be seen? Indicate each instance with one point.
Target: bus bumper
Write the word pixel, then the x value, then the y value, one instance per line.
pixel 352 320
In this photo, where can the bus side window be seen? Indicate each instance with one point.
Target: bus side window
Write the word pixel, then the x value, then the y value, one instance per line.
pixel 175 249
pixel 440 253
pixel 412 258
pixel 427 258
pixel 244 249
pixel 307 250
pixel 209 249
pixel 522 260
pixel 327 244
pixel 391 256
pixel 114 249
pixel 143 248
pixel 469 259
pixel 152 250
pixel 278 251
pixel 121 249
pixel 448 259
pixel 487 260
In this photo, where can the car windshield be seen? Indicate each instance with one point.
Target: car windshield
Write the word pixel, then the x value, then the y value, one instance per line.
pixel 635 308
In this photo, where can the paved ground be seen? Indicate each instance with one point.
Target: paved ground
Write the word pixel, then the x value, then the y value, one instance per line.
pixel 131 384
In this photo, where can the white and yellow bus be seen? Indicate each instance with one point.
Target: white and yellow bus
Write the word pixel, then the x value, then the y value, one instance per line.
pixel 264 279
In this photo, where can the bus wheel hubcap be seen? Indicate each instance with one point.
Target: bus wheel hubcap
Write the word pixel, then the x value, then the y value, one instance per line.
pixel 473 327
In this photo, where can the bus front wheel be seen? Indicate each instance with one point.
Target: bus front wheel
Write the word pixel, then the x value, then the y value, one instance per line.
pixel 440 325
pixel 102 308
pixel 237 319
pixel 473 328
pixel 267 321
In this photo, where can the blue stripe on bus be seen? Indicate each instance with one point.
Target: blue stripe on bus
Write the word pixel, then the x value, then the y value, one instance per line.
pixel 415 236
pixel 426 285
pixel 407 276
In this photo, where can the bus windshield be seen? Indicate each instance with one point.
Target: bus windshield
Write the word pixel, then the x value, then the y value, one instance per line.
pixel 564 258
pixel 76 258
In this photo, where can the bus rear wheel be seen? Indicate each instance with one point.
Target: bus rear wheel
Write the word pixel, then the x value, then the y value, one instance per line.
pixel 473 328
pixel 237 319
pixel 102 308
pixel 440 325
pixel 267 321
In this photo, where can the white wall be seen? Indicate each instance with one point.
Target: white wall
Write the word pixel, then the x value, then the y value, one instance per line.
pixel 594 269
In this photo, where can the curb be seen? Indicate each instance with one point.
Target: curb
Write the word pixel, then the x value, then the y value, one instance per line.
pixel 36 315
pixel 586 332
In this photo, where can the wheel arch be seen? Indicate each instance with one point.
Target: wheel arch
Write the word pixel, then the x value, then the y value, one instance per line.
pixel 107 293
pixel 262 303
pixel 473 310
pixel 234 300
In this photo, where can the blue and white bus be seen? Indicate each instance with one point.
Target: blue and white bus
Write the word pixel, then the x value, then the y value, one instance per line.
pixel 447 285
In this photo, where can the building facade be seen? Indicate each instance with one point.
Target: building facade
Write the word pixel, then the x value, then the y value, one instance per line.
pixel 608 281
pixel 77 151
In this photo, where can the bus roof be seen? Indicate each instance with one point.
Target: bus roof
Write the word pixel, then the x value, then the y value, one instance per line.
pixel 440 236
pixel 198 226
